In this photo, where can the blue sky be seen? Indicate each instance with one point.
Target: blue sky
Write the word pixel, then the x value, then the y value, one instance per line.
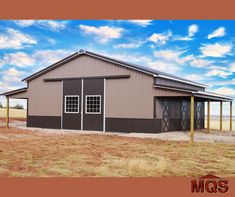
pixel 202 51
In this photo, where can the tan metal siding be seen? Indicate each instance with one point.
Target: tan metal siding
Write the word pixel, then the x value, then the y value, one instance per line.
pixel 21 95
pixel 86 66
pixel 44 98
pixel 133 98
pixel 125 98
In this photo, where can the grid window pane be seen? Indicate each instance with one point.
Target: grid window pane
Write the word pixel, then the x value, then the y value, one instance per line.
pixel 93 104
pixel 72 104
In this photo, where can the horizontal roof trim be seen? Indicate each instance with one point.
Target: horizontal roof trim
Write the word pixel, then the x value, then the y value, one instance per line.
pixel 13 92
pixel 200 94
pixel 212 95
pixel 94 77
pixel 171 88
pixel 183 81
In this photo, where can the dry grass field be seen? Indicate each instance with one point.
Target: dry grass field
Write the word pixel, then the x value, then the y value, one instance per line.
pixel 36 154
pixel 27 153
pixel 14 113
pixel 214 123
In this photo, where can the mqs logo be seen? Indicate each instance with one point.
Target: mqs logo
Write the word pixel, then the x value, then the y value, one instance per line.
pixel 210 184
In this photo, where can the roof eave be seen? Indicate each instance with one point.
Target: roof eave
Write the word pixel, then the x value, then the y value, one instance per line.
pixel 14 92
pixel 183 81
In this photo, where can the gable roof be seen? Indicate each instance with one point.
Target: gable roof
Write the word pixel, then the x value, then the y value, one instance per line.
pixel 142 69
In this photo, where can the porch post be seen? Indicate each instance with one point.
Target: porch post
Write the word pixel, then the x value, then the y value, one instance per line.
pixel 192 120
pixel 7 113
pixel 208 116
pixel 221 115
pixel 231 115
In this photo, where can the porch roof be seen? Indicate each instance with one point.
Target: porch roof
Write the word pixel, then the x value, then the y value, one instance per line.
pixel 203 95
pixel 212 96
pixel 14 92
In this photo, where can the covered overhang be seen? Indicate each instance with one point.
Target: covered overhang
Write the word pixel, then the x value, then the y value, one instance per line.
pixel 195 96
pixel 204 96
pixel 16 94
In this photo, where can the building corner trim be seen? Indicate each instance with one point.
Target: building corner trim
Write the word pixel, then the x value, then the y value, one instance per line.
pixel 104 108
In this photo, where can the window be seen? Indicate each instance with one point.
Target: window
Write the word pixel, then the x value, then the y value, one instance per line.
pixel 93 104
pixel 72 104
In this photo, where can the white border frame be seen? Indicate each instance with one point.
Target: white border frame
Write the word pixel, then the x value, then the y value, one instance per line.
pixel 65 104
pixel 86 105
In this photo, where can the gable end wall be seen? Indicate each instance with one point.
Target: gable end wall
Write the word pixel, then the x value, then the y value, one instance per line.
pixel 125 98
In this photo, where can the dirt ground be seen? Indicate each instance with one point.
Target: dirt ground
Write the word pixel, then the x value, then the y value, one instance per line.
pixel 41 154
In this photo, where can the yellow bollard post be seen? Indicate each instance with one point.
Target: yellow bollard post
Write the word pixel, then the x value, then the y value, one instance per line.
pixel 221 115
pixel 231 116
pixel 7 113
pixel 192 120
pixel 208 116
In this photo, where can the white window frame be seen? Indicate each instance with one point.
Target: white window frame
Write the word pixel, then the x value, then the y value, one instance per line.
pixel 65 111
pixel 86 104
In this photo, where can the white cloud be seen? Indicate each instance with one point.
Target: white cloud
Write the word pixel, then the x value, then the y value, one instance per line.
pixel 103 33
pixel 19 59
pixel 160 38
pixel 142 23
pixel 14 39
pixel 195 77
pixel 128 45
pixel 170 61
pixel 232 67
pixel 131 57
pixel 131 45
pixel 25 23
pixel 182 38
pixel 41 58
pixel 218 71
pixel 225 91
pixel 168 54
pixel 201 63
pixel 172 56
pixel 52 41
pixel 165 66
pixel 216 50
pixel 192 30
pixel 52 25
pixel 223 83
pixel 12 75
pixel 45 58
pixel 220 32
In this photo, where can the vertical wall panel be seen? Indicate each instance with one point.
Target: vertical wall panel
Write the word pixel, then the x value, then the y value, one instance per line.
pixel 72 120
pixel 125 98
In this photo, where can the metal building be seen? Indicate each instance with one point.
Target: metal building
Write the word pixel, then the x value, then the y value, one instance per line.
pixel 89 91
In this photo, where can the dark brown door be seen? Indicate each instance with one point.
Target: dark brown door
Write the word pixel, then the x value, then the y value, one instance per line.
pixel 93 104
pixel 72 104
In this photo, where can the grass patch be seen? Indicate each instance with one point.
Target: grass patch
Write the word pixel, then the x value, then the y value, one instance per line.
pixel 51 155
